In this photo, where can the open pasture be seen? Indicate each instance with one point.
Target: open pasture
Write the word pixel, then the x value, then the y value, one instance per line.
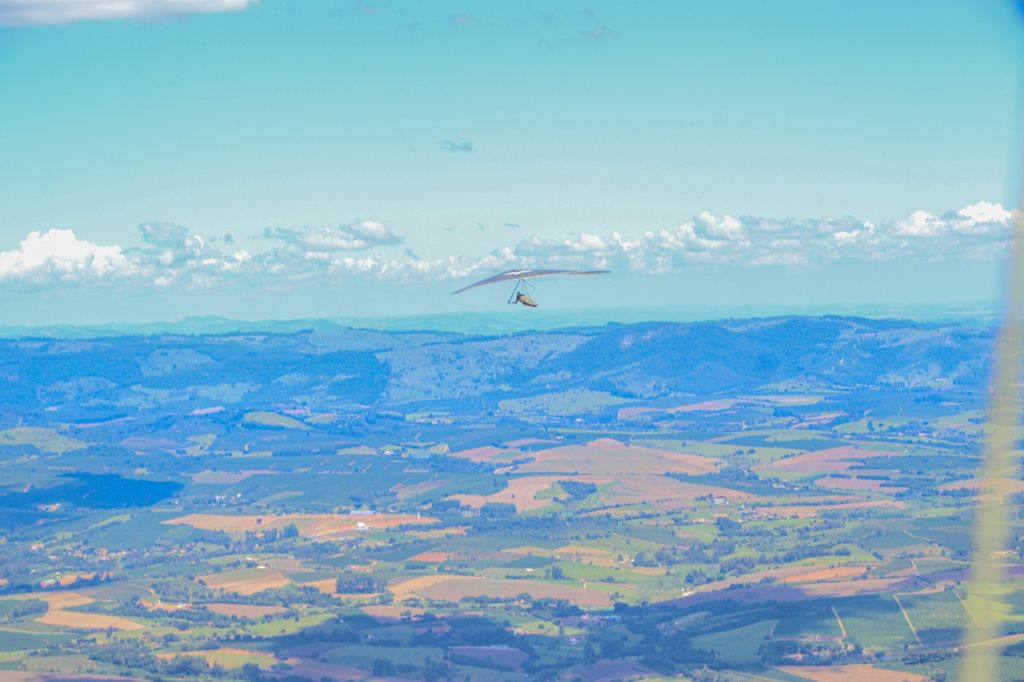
pixel 812 621
pixel 456 588
pixel 19 640
pixel 43 439
pixel 809 511
pixel 309 525
pixel 938 616
pixel 831 460
pixel 666 493
pixel 857 484
pixel 489 453
pixel 273 420
pixel 493 655
pixel 387 613
pixel 431 557
pixel 63 599
pixel 716 405
pixel 316 670
pixel 563 403
pixel 80 620
pixel 523 491
pixel 863 672
pixel 224 477
pixel 413 586
pixel 229 657
pixel 245 581
pixel 853 588
pixel 875 622
pixel 833 580
pixel 609 457
pixel 738 646
pixel 829 574
pixel 406 491
pixel 244 610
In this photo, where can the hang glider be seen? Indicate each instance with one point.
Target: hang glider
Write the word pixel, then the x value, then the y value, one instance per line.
pixel 520 294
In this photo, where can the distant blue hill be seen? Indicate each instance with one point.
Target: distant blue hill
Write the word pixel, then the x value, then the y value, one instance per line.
pixel 506 320
pixel 328 367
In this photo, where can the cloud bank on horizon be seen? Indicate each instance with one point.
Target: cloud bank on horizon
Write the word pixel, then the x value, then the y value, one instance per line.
pixel 171 256
pixel 23 12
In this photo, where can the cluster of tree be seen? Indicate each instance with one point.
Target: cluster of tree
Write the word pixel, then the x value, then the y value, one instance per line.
pixel 578 490
pixel 807 551
pixel 693 553
pixel 555 573
pixel 359 584
pixel 810 653
pixel 497 510
pixel 133 656
pixel 27 607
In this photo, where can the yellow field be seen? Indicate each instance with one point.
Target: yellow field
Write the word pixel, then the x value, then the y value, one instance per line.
pixel 245 581
pixel 391 611
pixel 156 605
pixel 30 676
pixel 841 673
pixel 849 588
pixel 327 585
pixel 830 460
pixel 835 579
pixel 309 525
pixel 665 492
pixel 87 621
pixel 456 587
pixel 244 610
pixel 61 600
pixel 530 549
pixel 522 492
pixel 623 489
pixel 487 453
pixel 439 533
pixel 605 456
pixel 60 617
pixel 403 491
pixel 811 575
pixel 46 440
pixel 706 406
pixel 810 511
pixel 857 484
pixel 222 477
pixel 431 557
pixel 510 589
pixel 408 588
pixel 273 419
pixel 228 657
pixel 315 670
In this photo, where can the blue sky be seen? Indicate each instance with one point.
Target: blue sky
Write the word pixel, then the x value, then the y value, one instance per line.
pixel 294 158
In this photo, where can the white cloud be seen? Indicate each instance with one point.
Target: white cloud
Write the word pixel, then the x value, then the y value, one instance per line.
pixel 358 236
pixel 170 255
pixel 985 212
pixel 921 224
pixel 60 255
pixel 65 11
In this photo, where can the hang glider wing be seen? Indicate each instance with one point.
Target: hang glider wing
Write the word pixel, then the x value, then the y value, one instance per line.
pixel 527 274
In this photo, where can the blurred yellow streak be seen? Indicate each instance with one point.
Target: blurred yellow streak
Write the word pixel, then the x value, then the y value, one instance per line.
pixel 992 523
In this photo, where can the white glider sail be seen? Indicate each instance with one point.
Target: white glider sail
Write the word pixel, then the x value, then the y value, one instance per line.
pixel 510 275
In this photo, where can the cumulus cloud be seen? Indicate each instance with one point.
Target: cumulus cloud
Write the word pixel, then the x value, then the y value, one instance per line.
pixel 58 255
pixel 65 11
pixel 449 146
pixel 170 255
pixel 358 236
